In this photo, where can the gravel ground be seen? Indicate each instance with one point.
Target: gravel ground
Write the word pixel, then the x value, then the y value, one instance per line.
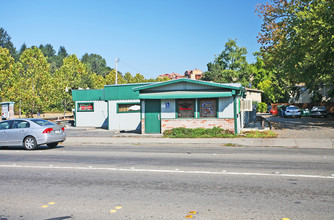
pixel 303 127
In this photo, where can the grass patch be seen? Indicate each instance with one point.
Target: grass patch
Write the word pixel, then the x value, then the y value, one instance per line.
pixel 258 134
pixel 230 145
pixel 215 132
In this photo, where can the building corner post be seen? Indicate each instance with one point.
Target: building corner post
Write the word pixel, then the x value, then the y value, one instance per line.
pixel 235 112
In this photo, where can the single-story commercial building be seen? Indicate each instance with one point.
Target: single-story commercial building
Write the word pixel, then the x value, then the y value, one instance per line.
pixel 155 107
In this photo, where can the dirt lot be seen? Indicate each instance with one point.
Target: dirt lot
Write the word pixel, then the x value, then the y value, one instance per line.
pixel 303 127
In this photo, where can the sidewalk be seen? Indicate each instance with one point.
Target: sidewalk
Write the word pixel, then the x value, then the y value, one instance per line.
pixel 90 136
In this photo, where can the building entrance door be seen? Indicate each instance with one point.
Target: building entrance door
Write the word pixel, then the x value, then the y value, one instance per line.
pixel 152 116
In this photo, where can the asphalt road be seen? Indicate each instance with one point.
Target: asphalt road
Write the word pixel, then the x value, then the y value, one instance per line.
pixel 166 182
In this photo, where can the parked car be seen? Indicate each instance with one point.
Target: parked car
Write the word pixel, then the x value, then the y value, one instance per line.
pixel 273 112
pixel 30 133
pixel 292 111
pixel 305 112
pixel 318 111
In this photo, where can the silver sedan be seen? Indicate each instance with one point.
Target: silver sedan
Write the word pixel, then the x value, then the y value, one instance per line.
pixel 30 133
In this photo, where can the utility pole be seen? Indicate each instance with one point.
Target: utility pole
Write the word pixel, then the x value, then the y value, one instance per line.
pixel 116 61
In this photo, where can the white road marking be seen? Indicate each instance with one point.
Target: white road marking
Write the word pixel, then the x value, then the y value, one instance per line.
pixel 224 172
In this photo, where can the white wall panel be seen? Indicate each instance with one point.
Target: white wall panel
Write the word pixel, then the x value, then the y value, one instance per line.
pixel 226 107
pixel 97 118
pixel 123 121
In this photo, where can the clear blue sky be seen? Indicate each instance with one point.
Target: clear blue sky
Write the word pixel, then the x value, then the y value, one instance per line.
pixel 151 37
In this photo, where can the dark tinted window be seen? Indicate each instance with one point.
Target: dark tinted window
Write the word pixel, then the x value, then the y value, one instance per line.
pixel 42 122
pixel 6 125
pixel 21 124
pixel 185 108
pixel 208 108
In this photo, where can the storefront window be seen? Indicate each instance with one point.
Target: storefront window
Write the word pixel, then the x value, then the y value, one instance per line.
pixel 124 108
pixel 208 108
pixel 186 108
pixel 86 107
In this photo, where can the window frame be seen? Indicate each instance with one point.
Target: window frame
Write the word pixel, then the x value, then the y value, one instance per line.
pixel 199 108
pixel 127 103
pixel 177 109
pixel 85 103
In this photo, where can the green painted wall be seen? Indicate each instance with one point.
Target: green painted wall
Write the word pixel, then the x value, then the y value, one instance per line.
pixel 122 92
pixel 88 95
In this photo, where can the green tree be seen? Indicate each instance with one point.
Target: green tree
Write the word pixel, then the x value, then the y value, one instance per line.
pixel 297 40
pixel 7 71
pixel 5 42
pixel 111 78
pixel 51 56
pixel 159 79
pixel 96 64
pixel 138 78
pixel 62 53
pixel 230 66
pixel 33 85
pixel 22 49
pixel 73 74
pixel 128 77
pixel 97 81
pixel 274 88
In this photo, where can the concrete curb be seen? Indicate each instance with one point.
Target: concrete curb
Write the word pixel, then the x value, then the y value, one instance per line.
pixel 250 142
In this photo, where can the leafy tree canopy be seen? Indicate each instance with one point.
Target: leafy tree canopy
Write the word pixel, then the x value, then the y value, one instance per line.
pixel 297 40
pixel 230 66
pixel 5 42
pixel 96 64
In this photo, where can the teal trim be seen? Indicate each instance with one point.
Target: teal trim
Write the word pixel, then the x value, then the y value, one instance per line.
pixel 153 85
pixel 141 116
pixel 184 95
pixel 85 103
pixel 108 114
pixel 127 103
pixel 235 115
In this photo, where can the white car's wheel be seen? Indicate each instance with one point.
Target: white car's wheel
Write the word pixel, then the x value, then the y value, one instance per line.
pixel 30 143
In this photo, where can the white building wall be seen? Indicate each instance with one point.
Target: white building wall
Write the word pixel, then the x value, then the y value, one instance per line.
pixel 168 108
pixel 225 107
pixel 97 118
pixel 123 121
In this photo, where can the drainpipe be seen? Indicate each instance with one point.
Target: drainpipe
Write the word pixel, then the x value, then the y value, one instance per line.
pixel 108 115
pixel 235 112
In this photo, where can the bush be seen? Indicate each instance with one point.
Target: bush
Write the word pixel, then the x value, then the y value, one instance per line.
pixel 215 132
pixel 262 107
pixel 198 133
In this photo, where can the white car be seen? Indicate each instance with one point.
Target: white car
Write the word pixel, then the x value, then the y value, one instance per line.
pixel 30 133
pixel 292 111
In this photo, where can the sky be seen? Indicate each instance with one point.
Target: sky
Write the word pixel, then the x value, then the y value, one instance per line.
pixel 150 37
